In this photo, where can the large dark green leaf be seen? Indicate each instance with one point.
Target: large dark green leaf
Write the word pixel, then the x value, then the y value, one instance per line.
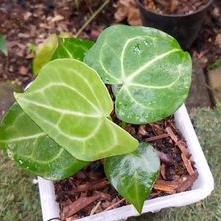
pixel 71 104
pixel 133 175
pixel 72 48
pixel 150 73
pixel 56 47
pixel 33 150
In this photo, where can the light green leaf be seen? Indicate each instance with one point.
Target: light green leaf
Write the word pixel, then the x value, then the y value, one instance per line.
pixel 33 150
pixel 150 73
pixel 72 48
pixel 71 104
pixel 44 53
pixel 3 45
pixel 133 175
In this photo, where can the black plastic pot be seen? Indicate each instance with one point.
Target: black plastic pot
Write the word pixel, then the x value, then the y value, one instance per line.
pixel 184 28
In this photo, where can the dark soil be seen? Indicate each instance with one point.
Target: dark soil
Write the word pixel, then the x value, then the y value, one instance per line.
pixel 89 191
pixel 175 7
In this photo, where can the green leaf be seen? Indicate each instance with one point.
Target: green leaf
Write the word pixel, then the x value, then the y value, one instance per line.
pixel 44 53
pixel 56 47
pixel 33 150
pixel 3 45
pixel 133 175
pixel 71 104
pixel 72 48
pixel 150 73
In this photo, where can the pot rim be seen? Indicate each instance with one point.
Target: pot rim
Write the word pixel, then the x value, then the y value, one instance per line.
pixel 174 15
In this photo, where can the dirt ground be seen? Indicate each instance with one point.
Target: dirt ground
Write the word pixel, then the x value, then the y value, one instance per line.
pixel 27 23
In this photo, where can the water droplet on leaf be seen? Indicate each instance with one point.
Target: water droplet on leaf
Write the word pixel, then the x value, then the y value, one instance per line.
pixel 136 49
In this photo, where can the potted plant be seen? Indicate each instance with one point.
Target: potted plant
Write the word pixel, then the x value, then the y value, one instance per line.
pixel 181 19
pixel 64 120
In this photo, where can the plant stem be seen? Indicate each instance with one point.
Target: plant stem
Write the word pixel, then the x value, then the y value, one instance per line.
pixel 92 17
pixel 77 3
pixel 123 124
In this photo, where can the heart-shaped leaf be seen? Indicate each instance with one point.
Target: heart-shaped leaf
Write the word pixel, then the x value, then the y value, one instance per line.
pixel 71 104
pixel 150 73
pixel 44 53
pixel 133 175
pixel 72 48
pixel 33 149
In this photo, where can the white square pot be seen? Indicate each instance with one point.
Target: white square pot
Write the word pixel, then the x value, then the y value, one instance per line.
pixel 202 187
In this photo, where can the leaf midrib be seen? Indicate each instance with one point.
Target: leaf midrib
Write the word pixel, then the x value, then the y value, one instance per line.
pixel 129 79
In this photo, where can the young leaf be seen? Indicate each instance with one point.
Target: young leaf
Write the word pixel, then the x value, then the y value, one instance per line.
pixel 44 53
pixel 33 150
pixel 3 46
pixel 56 47
pixel 72 48
pixel 133 175
pixel 71 104
pixel 150 73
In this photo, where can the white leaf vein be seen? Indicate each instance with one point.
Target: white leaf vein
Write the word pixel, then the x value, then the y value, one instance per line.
pixel 149 63
pixel 24 138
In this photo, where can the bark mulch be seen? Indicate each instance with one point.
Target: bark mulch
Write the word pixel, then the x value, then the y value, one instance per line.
pixel 89 192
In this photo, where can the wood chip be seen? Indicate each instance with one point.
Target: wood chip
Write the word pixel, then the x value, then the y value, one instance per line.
pixel 158 137
pixel 183 148
pixel 79 204
pixel 95 185
pixel 180 143
pixel 115 204
pixel 165 186
pixel 163 171
pixel 158 129
pixel 171 133
pixel 186 182
pixel 142 130
pixel 95 208
pixel 188 164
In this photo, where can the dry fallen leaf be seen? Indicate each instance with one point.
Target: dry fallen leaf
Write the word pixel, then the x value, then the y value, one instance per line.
pixel 57 18
pixel 127 9
pixel 218 40
pixel 27 15
pixel 23 70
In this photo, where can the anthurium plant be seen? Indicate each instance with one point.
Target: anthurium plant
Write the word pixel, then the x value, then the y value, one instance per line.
pixel 63 121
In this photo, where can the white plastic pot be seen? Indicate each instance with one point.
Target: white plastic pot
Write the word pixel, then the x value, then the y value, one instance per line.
pixel 202 187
